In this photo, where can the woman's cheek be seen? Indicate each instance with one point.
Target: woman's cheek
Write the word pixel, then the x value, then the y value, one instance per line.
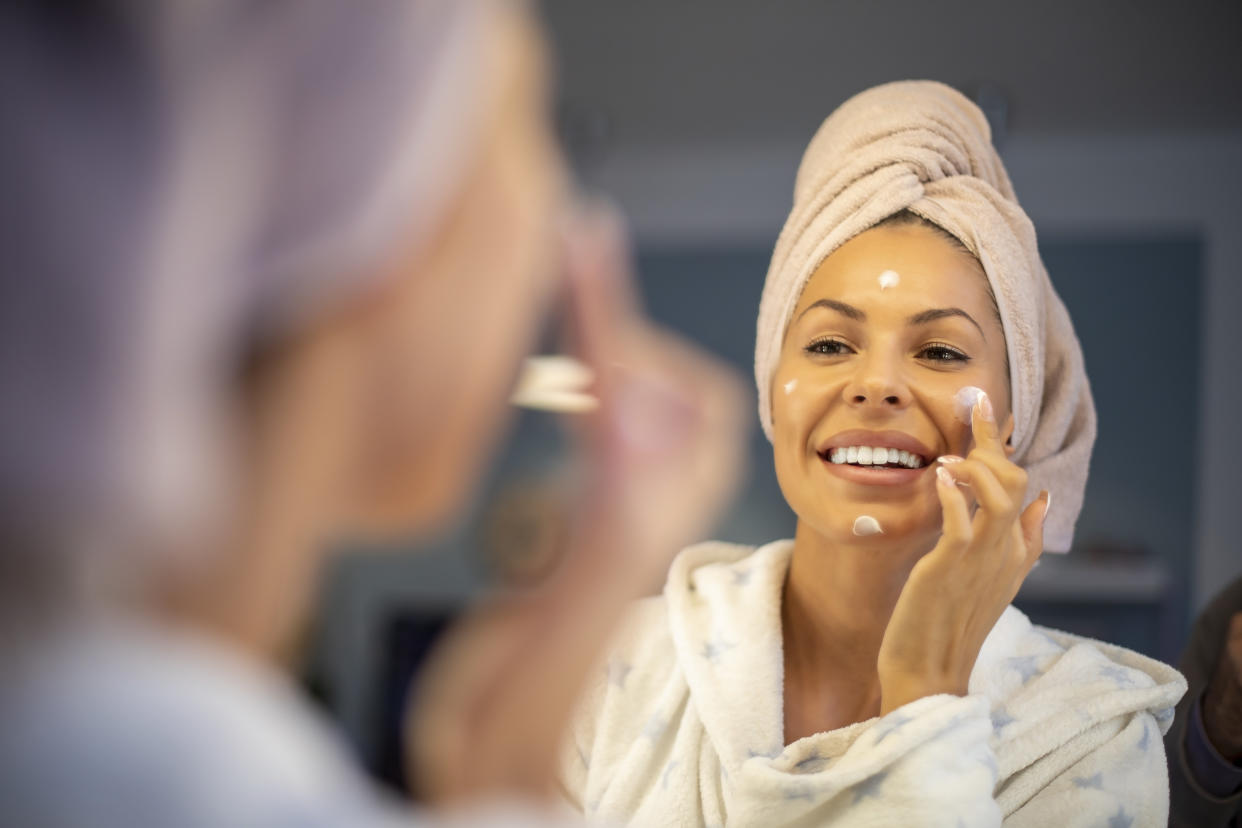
pixel 789 415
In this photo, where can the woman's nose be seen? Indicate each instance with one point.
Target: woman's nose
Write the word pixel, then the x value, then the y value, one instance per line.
pixel 877 384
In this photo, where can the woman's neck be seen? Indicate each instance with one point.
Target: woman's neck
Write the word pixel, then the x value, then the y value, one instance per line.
pixel 839 596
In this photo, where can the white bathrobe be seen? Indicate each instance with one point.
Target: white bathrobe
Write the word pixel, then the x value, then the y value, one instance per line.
pixel 684 725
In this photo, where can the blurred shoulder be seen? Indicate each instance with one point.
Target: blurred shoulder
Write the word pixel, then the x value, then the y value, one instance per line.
pixel 134 723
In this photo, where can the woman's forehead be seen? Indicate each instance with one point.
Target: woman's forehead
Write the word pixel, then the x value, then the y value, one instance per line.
pixel 901 267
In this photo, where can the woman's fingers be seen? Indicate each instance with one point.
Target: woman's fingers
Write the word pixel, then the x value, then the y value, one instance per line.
pixel 984 427
pixel 990 450
pixel 1032 523
pixel 993 498
pixel 956 532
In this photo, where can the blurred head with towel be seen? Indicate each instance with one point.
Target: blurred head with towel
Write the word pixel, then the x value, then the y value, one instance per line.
pixel 271 271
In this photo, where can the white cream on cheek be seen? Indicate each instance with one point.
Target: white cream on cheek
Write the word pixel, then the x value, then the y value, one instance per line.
pixel 790 386
pixel 889 279
pixel 964 402
pixel 866 525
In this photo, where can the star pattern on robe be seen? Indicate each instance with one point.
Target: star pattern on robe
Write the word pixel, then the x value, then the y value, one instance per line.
pixel 586 760
pixel 869 787
pixel 765 754
pixel 890 725
pixel 1001 719
pixel 989 762
pixel 811 764
pixel 668 770
pixel 1120 819
pixel 1094 781
pixel 654 728
pixel 1026 666
pixel 1164 714
pixel 713 650
pixel 1143 742
pixel 800 792
pixel 618 670
pixel 741 577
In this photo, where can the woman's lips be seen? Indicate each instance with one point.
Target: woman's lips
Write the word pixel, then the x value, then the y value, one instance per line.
pixel 872 476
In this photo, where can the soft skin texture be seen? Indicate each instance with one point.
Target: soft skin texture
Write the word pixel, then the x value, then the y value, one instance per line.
pixel 883 374
pixel 923 148
pixel 873 622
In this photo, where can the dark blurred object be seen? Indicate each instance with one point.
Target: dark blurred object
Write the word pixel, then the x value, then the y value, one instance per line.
pixel 525 531
pixel 408 642
pixel 585 132
pixel 1190 760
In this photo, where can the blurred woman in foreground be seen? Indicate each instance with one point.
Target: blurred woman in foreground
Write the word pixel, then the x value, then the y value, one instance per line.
pixel 272 274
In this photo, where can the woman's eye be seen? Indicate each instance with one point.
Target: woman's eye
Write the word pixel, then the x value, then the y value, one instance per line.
pixel 942 353
pixel 828 347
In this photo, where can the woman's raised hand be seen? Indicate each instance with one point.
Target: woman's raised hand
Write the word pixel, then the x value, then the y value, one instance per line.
pixel 662 456
pixel 957 592
pixel 667 449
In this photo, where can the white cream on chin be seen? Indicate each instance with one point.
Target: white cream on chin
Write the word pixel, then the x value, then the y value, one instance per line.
pixel 888 279
pixel 866 525
pixel 965 401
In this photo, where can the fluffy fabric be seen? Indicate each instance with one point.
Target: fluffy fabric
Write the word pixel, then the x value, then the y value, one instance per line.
pixel 684 725
pixel 924 147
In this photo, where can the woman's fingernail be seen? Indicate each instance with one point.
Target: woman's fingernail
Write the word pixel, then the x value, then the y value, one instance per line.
pixel 985 407
pixel 949 458
pixel 1047 505
pixel 943 477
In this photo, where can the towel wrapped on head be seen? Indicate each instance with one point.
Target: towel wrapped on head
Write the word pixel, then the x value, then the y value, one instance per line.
pixel 924 147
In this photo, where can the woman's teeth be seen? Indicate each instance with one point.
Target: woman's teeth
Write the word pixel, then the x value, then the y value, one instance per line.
pixel 869 456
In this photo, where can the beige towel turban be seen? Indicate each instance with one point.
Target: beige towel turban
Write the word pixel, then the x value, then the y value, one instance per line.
pixel 922 146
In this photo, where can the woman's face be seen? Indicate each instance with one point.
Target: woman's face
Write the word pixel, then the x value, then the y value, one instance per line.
pixel 451 333
pixel 888 330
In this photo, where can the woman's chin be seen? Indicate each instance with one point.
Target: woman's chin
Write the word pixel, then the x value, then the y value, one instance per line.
pixel 876 526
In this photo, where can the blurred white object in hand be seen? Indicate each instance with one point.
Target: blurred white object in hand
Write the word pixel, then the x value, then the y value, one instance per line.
pixel 555 383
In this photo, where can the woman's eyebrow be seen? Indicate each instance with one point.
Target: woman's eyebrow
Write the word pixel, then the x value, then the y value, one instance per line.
pixel 840 307
pixel 940 313
pixel 921 318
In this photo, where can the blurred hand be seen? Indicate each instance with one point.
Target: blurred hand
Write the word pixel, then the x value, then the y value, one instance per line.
pixel 668 447
pixel 1222 701
pixel 662 456
pixel 956 592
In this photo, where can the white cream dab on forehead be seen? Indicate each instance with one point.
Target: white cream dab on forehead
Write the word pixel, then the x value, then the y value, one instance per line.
pixel 888 279
pixel 790 386
pixel 866 525
pixel 965 400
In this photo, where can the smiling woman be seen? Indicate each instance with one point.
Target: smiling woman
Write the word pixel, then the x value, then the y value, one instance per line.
pixel 871 670
pixel 880 369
